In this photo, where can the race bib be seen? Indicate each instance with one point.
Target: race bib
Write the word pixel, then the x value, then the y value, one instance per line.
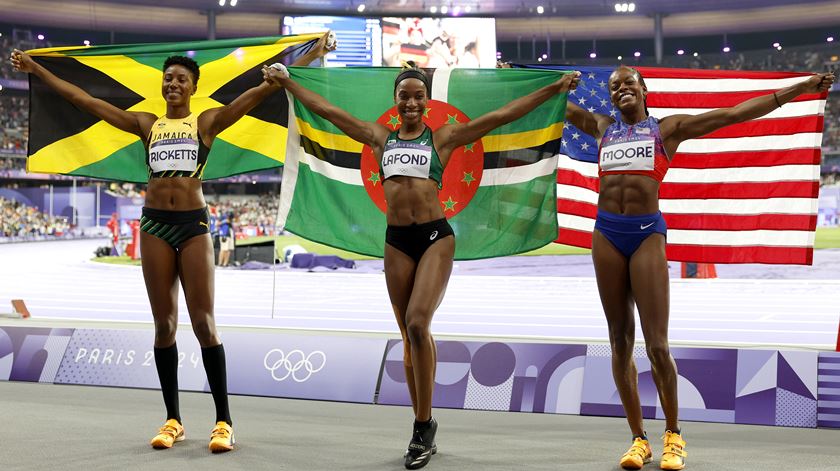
pixel 634 155
pixel 174 154
pixel 409 159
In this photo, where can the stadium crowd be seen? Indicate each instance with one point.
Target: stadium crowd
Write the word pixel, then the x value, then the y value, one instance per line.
pixel 20 221
pixel 256 215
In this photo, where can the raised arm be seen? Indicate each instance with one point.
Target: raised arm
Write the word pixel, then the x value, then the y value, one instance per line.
pixel 450 137
pixel 365 132
pixel 591 123
pixel 135 123
pixel 215 120
pixel 678 128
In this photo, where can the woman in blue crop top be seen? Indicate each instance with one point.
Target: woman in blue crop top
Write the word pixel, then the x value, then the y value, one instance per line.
pixel 628 243
pixel 420 244
pixel 175 225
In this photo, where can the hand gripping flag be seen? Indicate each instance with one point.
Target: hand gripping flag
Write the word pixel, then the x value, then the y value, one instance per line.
pixel 64 139
pixel 498 193
pixel 746 193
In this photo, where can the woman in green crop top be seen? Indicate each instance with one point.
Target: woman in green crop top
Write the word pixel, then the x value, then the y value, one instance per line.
pixel 420 244
pixel 174 229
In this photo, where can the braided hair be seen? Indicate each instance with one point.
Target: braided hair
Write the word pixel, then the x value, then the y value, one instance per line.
pixel 641 81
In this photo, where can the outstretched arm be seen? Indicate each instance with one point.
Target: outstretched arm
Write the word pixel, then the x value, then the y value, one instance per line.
pixel 678 128
pixel 215 120
pixel 135 123
pixel 451 137
pixel 591 123
pixel 368 133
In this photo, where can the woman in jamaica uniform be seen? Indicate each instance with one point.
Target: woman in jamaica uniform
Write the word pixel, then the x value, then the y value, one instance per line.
pixel 419 243
pixel 175 234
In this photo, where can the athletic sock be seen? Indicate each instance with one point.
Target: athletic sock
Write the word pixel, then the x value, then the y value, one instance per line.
pixel 643 436
pixel 214 365
pixel 166 361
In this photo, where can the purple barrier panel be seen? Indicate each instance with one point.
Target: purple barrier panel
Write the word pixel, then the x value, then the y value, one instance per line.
pixel 335 368
pixel 107 357
pixel 31 353
pixel 828 383
pixel 706 384
pixel 525 377
pixel 776 388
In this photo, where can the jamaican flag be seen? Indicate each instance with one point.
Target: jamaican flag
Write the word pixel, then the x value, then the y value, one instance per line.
pixel 499 193
pixel 64 139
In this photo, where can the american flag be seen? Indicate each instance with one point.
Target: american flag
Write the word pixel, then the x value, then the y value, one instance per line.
pixel 746 193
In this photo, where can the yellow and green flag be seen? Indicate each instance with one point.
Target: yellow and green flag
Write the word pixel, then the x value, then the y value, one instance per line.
pixel 499 193
pixel 64 139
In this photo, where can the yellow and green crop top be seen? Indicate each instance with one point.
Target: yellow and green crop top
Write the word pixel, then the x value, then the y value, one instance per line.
pixel 176 149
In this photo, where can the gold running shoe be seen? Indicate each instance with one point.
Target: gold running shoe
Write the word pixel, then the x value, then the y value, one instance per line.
pixel 673 451
pixel 638 455
pixel 171 432
pixel 221 438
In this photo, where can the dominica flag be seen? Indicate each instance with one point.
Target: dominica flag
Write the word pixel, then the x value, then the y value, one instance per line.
pixel 499 193
pixel 66 140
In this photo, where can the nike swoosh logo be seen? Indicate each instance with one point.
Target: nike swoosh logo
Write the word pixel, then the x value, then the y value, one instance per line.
pixel 645 226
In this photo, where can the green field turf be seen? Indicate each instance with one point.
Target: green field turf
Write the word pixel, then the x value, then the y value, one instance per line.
pixel 827 238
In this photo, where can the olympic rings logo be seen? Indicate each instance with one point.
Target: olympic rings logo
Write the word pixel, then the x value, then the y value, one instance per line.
pixel 297 365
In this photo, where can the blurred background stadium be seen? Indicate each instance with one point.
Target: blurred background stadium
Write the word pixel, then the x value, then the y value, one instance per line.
pixel 743 35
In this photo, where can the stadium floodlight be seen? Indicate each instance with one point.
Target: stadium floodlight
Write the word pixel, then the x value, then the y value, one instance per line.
pixel 726 49
pixel 695 54
pixel 222 3
pixel 680 52
pixel 545 56
pixel 625 7
pixel 233 3
pixel 456 10
pixel 86 42
pixel 433 9
pixel 829 39
pixel 467 9
pixel 775 44
pixel 619 57
pixel 539 59
pixel 779 48
pixel 40 37
pixel 444 9
pixel 592 55
pixel 637 54
pixel 360 8
pixel 540 10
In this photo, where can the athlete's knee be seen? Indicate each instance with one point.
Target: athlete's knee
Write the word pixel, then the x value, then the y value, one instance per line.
pixel 417 331
pixel 205 332
pixel 622 345
pixel 659 353
pixel 165 331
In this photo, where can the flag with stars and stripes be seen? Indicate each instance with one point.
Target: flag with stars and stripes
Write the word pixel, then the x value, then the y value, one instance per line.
pixel 64 139
pixel 746 193
pixel 498 193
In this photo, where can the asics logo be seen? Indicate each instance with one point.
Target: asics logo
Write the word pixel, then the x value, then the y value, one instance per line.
pixel 645 226
pixel 297 365
pixel 434 234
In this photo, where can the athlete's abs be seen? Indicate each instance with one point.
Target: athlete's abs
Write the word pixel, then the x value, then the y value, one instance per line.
pixel 175 194
pixel 628 194
pixel 411 200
